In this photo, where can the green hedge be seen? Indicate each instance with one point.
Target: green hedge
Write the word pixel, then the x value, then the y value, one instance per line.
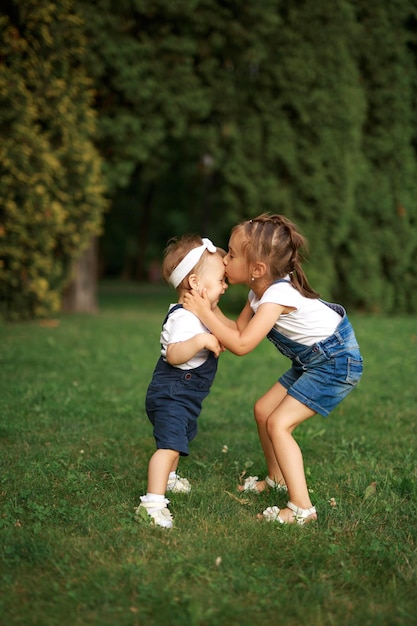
pixel 51 190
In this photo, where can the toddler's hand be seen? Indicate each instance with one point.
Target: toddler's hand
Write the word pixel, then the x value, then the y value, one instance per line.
pixel 213 345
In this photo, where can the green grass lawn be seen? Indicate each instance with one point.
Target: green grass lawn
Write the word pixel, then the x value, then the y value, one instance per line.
pixel 75 443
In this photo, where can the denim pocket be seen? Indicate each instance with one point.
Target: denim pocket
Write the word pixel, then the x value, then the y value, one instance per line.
pixel 354 371
pixel 193 383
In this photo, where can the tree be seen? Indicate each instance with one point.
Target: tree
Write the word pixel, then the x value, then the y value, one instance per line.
pixel 229 109
pixel 376 261
pixel 215 110
pixel 51 188
pixel 303 108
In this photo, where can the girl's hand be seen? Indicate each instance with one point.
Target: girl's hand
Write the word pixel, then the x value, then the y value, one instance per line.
pixel 195 303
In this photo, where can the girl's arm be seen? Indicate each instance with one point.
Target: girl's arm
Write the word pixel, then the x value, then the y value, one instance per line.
pixel 230 323
pixel 242 321
pixel 249 330
pixel 183 351
pixel 245 317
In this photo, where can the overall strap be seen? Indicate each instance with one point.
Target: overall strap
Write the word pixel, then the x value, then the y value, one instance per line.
pixel 171 310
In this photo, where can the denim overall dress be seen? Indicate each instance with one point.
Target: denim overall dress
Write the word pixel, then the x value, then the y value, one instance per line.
pixel 174 399
pixel 324 373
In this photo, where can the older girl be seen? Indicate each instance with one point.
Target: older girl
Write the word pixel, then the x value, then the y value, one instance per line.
pixel 265 254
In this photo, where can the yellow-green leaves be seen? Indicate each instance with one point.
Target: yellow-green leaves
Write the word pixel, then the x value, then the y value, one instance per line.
pixel 51 189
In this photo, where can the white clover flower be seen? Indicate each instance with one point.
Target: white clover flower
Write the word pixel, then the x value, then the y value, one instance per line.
pixel 225 449
pixel 332 502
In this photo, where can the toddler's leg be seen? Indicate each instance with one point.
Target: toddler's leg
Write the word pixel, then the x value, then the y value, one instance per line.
pixel 153 505
pixel 160 466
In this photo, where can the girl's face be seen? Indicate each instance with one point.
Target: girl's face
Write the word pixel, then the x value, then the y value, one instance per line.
pixel 237 270
pixel 212 278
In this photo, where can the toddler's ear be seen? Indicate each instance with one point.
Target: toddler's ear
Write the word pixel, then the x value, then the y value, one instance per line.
pixel 193 281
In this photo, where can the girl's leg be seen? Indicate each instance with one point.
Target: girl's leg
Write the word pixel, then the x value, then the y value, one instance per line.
pixel 262 410
pixel 280 425
pixel 161 464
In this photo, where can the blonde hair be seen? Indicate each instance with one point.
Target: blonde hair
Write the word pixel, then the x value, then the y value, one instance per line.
pixel 275 241
pixel 177 248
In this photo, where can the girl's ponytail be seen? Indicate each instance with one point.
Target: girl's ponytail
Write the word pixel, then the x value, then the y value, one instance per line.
pixel 297 274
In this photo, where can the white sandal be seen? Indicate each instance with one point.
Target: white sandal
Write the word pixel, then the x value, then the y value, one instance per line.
pixel 251 482
pixel 179 485
pixel 274 485
pixel 154 513
pixel 271 514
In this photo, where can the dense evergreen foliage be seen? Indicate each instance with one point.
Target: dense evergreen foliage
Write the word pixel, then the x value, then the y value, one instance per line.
pixel 210 111
pixel 377 260
pixel 51 195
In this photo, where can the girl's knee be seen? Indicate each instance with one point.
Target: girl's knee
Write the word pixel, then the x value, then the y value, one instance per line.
pixel 260 415
pixel 273 428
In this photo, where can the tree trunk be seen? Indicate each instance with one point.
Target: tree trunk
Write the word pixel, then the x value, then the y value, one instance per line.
pixel 81 294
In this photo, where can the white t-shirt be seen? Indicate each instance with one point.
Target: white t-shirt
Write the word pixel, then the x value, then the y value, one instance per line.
pixel 180 326
pixel 311 321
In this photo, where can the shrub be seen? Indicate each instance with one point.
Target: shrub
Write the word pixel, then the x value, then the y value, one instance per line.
pixel 51 191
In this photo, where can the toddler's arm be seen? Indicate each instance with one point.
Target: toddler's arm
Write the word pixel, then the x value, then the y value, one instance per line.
pixel 183 351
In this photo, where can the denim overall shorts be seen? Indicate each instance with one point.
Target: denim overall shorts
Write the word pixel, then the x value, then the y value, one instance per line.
pixel 174 399
pixel 324 373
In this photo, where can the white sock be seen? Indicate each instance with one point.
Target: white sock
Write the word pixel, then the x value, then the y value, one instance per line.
pixel 156 499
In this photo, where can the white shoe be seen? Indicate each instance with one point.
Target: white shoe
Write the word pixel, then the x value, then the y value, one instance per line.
pixel 252 483
pixel 179 485
pixel 301 516
pixel 156 513
pixel 277 486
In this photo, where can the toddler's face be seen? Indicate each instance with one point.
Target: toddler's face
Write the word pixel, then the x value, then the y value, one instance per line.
pixel 212 278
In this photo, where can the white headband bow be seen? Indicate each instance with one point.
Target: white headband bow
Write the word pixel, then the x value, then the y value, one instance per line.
pixel 189 261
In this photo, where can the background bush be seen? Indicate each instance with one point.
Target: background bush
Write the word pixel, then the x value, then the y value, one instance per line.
pixel 207 113
pixel 51 190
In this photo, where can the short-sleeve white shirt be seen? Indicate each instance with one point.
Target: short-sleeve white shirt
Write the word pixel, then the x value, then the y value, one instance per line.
pixel 180 326
pixel 309 322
